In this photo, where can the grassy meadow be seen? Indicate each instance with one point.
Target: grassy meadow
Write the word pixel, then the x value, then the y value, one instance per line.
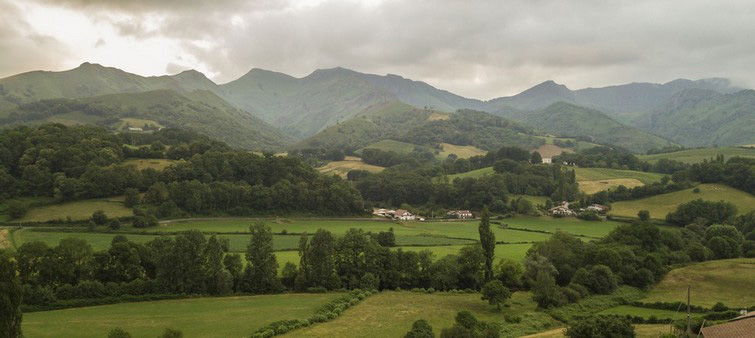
pixel 698 155
pixel 391 314
pixel 592 180
pixel 660 205
pixel 341 168
pixel 197 317
pixel 729 281
pixel 78 210
pixel 460 151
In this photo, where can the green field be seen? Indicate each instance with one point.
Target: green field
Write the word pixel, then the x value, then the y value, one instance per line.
pixel 729 281
pixel 640 330
pixel 698 155
pixel 460 151
pixel 395 146
pixel 341 168
pixel 473 174
pixel 79 210
pixel 391 314
pixel 199 317
pixel 660 205
pixel 593 174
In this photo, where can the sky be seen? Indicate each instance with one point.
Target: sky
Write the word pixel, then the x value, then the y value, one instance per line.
pixel 478 49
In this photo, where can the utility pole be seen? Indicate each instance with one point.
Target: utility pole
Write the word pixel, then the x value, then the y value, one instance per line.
pixel 689 328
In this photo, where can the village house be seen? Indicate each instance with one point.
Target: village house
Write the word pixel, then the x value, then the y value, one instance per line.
pixel 403 215
pixel 135 129
pixel 383 212
pixel 599 208
pixel 460 214
pixel 547 160
pixel 740 327
pixel 562 210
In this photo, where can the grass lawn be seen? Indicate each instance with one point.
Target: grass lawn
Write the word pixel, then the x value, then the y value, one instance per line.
pixel 154 163
pixel 341 168
pixel 592 174
pixel 698 155
pixel 391 314
pixel 729 281
pixel 79 210
pixel 200 317
pixel 660 205
pixel 460 151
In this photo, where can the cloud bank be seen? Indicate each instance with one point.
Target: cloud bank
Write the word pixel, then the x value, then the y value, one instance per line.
pixel 480 49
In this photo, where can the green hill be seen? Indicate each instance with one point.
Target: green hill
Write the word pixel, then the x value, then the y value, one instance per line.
pixel 571 120
pixel 698 155
pixel 201 111
pixel 697 118
pixel 660 205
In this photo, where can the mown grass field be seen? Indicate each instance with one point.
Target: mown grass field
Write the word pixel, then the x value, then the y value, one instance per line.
pixel 460 151
pixel 154 163
pixel 199 317
pixel 79 210
pixel 391 314
pixel 660 205
pixel 593 174
pixel 341 168
pixel 473 174
pixel 698 155
pixel 729 281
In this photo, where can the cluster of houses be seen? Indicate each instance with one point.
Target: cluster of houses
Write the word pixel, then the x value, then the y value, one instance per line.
pixel 405 215
pixel 563 210
pixel 399 214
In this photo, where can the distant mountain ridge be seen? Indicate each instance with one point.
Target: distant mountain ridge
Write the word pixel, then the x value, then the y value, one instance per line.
pixel 303 107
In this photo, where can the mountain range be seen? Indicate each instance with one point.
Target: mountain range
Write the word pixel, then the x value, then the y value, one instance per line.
pixel 274 111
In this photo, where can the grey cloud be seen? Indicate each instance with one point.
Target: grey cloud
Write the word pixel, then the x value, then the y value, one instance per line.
pixel 23 50
pixel 480 49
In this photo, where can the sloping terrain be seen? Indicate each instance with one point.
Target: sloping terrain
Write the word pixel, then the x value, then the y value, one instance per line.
pixel 704 118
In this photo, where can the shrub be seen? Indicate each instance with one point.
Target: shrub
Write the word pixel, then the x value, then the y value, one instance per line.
pixel 719 307
pixel 99 217
pixel 118 333
pixel 114 224
pixel 599 327
pixel 420 329
pixel 16 209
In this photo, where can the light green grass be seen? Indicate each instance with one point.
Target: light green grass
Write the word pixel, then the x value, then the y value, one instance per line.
pixel 79 210
pixel 391 314
pixel 460 151
pixel 698 155
pixel 395 146
pixel 201 317
pixel 571 225
pixel 473 174
pixel 593 174
pixel 660 205
pixel 729 281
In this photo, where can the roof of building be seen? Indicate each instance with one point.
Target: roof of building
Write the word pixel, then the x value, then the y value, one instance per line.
pixel 740 327
pixel 402 212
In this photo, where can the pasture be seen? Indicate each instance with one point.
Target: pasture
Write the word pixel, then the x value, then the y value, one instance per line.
pixel 198 317
pixel 728 281
pixel 592 180
pixel 341 168
pixel 391 314
pixel 698 155
pixel 79 210
pixel 460 151
pixel 660 205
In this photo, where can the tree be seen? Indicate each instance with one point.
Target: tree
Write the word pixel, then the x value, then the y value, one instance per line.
pixel 171 333
pixel 487 241
pixel 99 217
pixel 11 292
pixel 495 293
pixel 644 215
pixel 261 274
pixel 545 291
pixel 234 266
pixel 131 197
pixel 535 158
pixel 114 224
pixel 601 327
pixel 420 329
pixel 16 209
pixel 218 280
pixel 289 274
pixel 320 265
pixel 118 333
pixel 510 273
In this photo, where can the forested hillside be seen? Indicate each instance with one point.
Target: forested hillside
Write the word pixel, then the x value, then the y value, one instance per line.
pixel 200 111
pixel 565 119
pixel 697 118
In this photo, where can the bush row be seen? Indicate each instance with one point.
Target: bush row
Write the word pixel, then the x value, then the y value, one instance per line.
pixel 327 312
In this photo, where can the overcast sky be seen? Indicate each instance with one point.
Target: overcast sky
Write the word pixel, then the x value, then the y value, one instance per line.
pixel 479 49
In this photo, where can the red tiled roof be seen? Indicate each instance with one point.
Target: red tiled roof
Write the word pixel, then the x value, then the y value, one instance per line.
pixel 740 327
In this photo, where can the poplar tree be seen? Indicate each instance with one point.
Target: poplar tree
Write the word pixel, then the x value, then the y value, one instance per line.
pixel 261 273
pixel 487 241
